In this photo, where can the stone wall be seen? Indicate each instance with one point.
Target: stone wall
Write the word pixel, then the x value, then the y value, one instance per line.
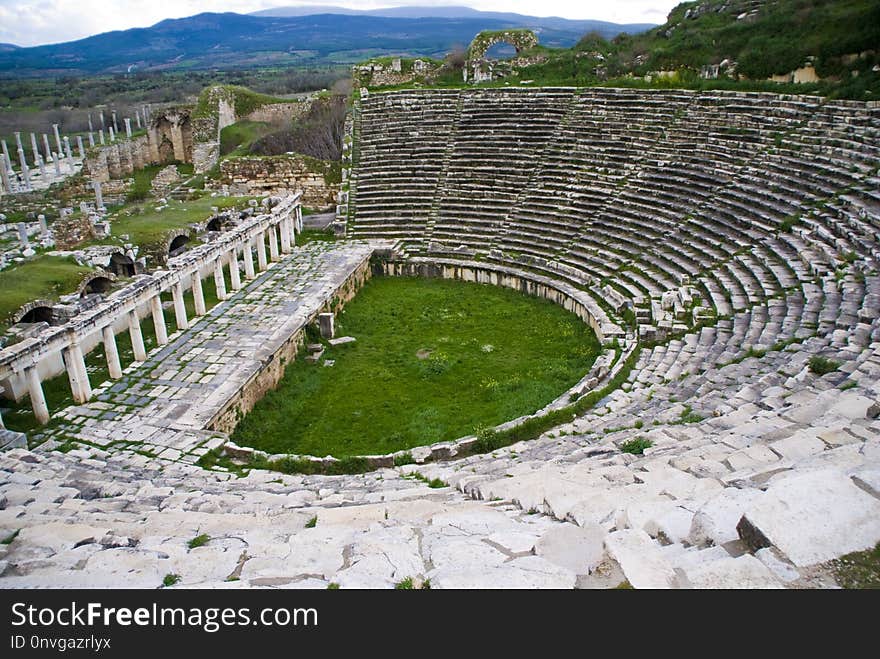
pixel 262 175
pixel 118 160
pixel 278 113
pixel 72 230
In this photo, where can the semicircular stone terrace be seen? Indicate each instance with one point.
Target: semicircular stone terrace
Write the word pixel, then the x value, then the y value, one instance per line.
pixel 732 237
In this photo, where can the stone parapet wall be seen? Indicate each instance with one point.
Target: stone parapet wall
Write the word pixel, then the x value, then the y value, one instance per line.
pixel 262 175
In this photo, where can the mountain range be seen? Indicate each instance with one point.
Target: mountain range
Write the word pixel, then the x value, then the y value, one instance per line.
pixel 229 40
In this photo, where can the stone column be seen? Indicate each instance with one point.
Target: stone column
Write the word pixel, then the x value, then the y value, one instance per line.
pixel 112 353
pixel 99 197
pixel 35 391
pixel 219 282
pixel 42 167
pixel 299 218
pixel 261 251
pixel 91 128
pixel 91 140
pixel 273 244
pixel 179 307
pixel 283 228
pixel 198 293
pixel 103 123
pixel 47 150
pixel 57 138
pixel 80 147
pixel 25 172
pixel 6 155
pixel 18 144
pixel 127 127
pixel 137 337
pixel 23 235
pixel 325 322
pixel 35 149
pixel 234 274
pixel 44 228
pixel 115 125
pixel 69 153
pixel 4 174
pixel 137 118
pixel 112 135
pixel 159 320
pixel 76 373
pixel 101 137
pixel 56 158
pixel 248 261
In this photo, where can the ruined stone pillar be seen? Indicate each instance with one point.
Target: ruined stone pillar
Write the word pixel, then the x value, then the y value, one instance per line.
pixel 44 228
pixel 273 244
pixel 325 323
pixel 261 251
pixel 299 219
pixel 42 167
pixel 179 307
pixel 99 196
pixel 159 320
pixel 25 172
pixel 6 155
pixel 137 337
pixel 91 140
pixel 57 138
pixel 69 153
pixel 219 281
pixel 112 135
pixel 91 128
pixel 127 127
pixel 198 293
pixel 35 149
pixel 35 391
pixel 284 229
pixel 56 158
pixel 76 373
pixel 23 235
pixel 101 137
pixel 18 144
pixel 234 274
pixel 137 117
pixel 80 147
pixel 47 150
pixel 4 174
pixel 112 353
pixel 248 261
pixel 115 125
pixel 177 142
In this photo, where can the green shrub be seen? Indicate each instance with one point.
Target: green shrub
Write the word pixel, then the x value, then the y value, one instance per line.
pixel 199 541
pixel 822 365
pixel 636 446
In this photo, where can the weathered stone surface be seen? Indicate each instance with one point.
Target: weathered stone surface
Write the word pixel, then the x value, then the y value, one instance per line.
pixel 577 549
pixel 742 572
pixel 815 516
pixel 640 559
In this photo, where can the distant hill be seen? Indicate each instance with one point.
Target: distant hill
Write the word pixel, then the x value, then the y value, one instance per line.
pixel 604 28
pixel 7 47
pixel 231 40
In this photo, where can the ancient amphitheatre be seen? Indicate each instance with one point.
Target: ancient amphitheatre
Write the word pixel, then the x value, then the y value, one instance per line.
pixel 721 245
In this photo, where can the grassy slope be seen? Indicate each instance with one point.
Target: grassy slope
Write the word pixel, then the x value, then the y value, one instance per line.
pixel 380 396
pixel 45 277
pixel 150 226
pixel 235 140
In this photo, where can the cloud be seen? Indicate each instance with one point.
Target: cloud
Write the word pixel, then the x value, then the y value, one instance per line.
pixel 34 22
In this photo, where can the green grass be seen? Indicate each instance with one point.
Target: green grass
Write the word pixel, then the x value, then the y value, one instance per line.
pixel 433 360
pixel 636 446
pixel 312 523
pixel 235 140
pixel 44 277
pixel 170 580
pixel 859 569
pixel 199 541
pixel 144 225
pixel 822 365
pixel 313 236
pixel 9 538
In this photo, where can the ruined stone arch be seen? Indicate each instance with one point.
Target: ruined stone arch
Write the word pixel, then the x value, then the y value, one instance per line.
pixel 97 282
pixel 176 242
pixel 35 311
pixel 121 265
pixel 520 40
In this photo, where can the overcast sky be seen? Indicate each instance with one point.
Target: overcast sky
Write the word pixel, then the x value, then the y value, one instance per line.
pixel 35 22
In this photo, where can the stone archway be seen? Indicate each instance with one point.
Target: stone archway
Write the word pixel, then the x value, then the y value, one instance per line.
pixel 177 243
pixel 121 265
pixel 100 283
pixel 38 311
pixel 479 69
